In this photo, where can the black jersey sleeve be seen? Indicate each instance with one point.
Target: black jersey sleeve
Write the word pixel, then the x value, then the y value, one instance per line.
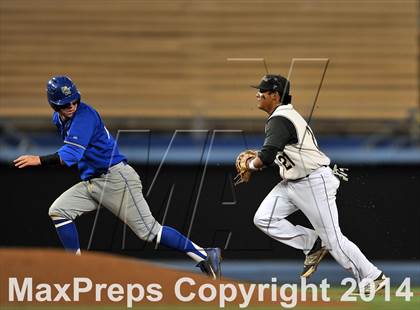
pixel 279 131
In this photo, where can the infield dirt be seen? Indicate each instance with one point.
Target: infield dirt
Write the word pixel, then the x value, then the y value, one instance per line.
pixel 49 266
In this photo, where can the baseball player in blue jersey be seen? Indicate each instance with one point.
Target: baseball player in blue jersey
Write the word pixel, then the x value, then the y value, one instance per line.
pixel 107 179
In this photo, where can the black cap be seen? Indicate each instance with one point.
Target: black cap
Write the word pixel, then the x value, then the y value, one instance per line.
pixel 274 83
pixel 277 83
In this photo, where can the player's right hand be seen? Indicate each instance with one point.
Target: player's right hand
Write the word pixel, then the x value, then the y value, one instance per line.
pixel 27 160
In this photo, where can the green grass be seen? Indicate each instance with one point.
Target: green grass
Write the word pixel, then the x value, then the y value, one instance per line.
pixel 396 303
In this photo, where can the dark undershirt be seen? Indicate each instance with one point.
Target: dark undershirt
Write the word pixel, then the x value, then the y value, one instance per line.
pixel 50 160
pixel 279 132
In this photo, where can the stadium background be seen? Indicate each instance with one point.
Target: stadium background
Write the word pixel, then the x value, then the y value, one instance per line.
pixel 154 67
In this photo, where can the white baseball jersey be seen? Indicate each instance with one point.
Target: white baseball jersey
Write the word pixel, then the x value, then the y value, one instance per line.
pixel 299 160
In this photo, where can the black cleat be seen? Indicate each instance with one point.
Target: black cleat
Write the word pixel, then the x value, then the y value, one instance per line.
pixel 211 265
pixel 314 257
pixel 378 284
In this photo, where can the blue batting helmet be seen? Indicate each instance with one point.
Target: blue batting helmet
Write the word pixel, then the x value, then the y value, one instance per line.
pixel 61 91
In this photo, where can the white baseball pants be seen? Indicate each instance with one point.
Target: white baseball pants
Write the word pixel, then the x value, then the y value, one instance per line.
pixel 315 197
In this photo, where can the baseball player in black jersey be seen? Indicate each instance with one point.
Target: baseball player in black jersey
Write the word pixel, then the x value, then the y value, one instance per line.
pixel 308 184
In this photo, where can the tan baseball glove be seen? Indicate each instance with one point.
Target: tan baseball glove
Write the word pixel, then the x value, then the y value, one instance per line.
pixel 244 174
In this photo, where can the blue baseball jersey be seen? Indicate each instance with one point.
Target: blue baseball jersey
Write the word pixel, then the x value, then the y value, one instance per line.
pixel 87 142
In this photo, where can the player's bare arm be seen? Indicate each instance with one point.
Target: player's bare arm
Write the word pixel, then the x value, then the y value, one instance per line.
pixel 35 160
pixel 89 145
pixel 27 161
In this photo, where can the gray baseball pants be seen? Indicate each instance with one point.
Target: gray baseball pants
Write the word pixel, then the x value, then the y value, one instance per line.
pixel 120 191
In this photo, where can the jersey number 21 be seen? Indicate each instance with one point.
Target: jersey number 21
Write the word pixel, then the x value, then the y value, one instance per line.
pixel 285 161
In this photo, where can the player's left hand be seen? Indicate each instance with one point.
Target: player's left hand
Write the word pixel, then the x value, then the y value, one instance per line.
pixel 242 166
pixel 27 160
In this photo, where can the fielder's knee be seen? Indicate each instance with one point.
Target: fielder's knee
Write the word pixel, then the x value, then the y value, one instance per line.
pixel 260 221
